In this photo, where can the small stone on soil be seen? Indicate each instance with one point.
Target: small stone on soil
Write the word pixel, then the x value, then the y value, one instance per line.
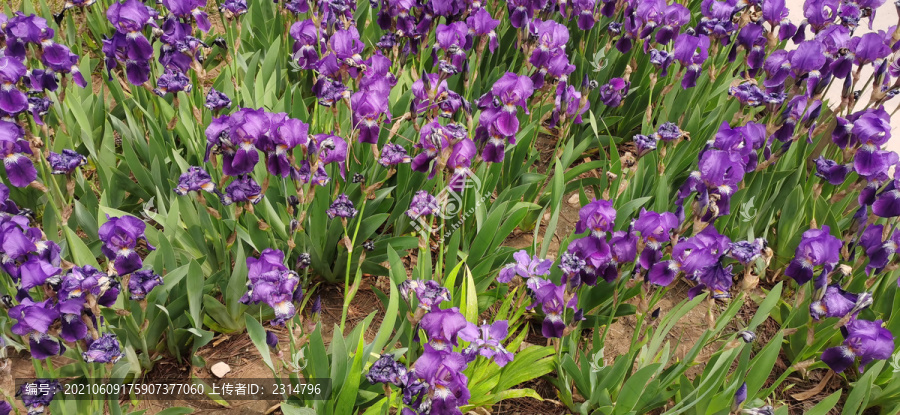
pixel 220 369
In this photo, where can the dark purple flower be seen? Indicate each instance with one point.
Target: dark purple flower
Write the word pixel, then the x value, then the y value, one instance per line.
pixel 187 9
pixel 342 207
pixel 430 93
pixel 66 162
pixel 817 248
pixel 140 283
pixel 644 144
pixel 598 262
pixel 443 327
pixel 393 154
pixel 553 302
pixel 525 266
pixel 5 408
pixel 37 395
pixel 216 100
pixel 120 237
pixel 865 339
pixel 386 370
pixel 668 131
pixel 429 293
pixel 486 341
pixel 271 339
pixel 612 93
pixel 598 216
pixel 831 171
pixel 422 204
pixel 232 8
pixel 194 180
pixel 655 228
pixel 887 203
pixel 105 349
pixel 739 396
pixel 442 370
pixel 242 189
pixel 746 252
pixel 368 108
pixel 480 24
pixel 834 302
pixel 306 39
pixel 271 282
pixel 661 59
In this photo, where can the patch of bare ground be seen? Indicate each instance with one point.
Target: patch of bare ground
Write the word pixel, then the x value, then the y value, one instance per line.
pixel 364 303
pixel 529 406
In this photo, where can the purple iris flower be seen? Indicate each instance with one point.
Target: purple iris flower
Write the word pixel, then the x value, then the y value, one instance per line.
pixel 831 171
pixel 422 204
pixel 739 396
pixel 668 131
pixel 34 320
pixel 443 327
pixel 306 39
pixel 869 48
pixel 661 59
pixel 655 229
pixel 452 40
pixel 864 339
pixel 429 293
pixel 430 93
pixel 272 339
pixel 878 249
pixel 598 217
pixel 332 149
pixel 271 282
pixel 748 94
pixel 433 137
pixel 37 395
pixel 232 8
pixel 551 40
pixel 525 266
pixel 486 341
pixel 120 237
pixel 835 302
pixel 288 134
pixel 817 248
pixel 510 91
pixel 342 207
pixel 368 108
pixel 187 9
pixel 12 100
pixel 387 370
pixel 459 162
pixel 612 93
pixel 691 51
pixel 481 23
pixel 81 281
pixel 588 259
pixel 746 252
pixel 442 370
pixel 699 257
pixel 569 101
pixel 65 162
pixel 393 154
pixel 60 59
pixel 644 143
pixel 140 283
pixel 217 100
pixel 887 202
pixel 172 81
pixel 105 349
pixel 128 44
pixel 242 189
pixel 346 46
pixel 553 302
pixel 194 180
pixel 5 408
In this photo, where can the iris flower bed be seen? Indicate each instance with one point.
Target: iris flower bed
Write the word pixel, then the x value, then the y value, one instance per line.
pixel 452 206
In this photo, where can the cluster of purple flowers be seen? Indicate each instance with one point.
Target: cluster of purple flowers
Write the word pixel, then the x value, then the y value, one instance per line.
pixel 71 298
pixel 271 282
pixel 241 136
pixel 179 50
pixel 820 252
pixel 723 164
pixel 499 122
pixel 28 40
pixel 434 383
